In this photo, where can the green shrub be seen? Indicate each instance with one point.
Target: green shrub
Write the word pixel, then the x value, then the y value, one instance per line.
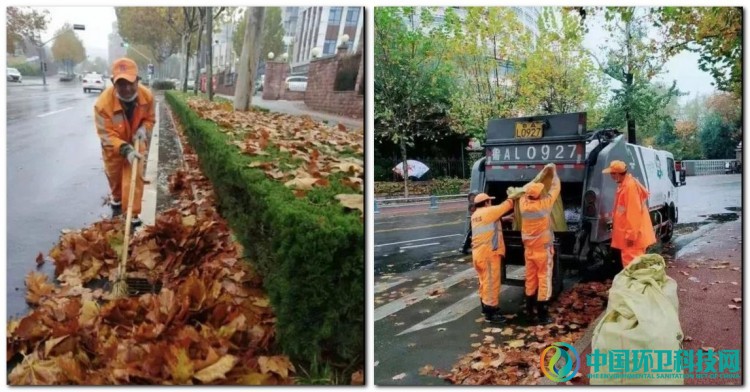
pixel 309 250
pixel 163 85
pixel 28 69
pixel 446 186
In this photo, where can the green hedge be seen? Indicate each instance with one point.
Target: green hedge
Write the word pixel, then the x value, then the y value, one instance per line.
pixel 309 250
pixel 163 85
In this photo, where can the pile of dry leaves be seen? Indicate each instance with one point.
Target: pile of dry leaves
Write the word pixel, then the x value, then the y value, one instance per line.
pixel 296 150
pixel 209 323
pixel 516 361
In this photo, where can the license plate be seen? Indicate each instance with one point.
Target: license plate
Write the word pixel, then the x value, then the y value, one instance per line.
pixel 537 153
pixel 529 130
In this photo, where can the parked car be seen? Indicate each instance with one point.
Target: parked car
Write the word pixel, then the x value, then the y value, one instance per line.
pixel 296 83
pixel 93 81
pixel 731 167
pixel 13 75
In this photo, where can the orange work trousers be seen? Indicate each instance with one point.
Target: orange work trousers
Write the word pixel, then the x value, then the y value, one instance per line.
pixel 629 253
pixel 539 265
pixel 118 170
pixel 488 270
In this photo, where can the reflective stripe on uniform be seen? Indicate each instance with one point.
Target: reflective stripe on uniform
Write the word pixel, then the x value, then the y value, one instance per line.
pixel 483 229
pixel 535 214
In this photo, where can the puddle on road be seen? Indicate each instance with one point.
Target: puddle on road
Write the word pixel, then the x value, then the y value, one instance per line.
pixel 724 217
pixel 687 228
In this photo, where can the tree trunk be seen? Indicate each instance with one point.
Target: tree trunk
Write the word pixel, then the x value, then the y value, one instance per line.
pixel 251 47
pixel 198 49
pixel 629 85
pixel 210 52
pixel 186 75
pixel 405 167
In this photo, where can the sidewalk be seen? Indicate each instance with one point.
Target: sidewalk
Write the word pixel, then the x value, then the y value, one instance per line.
pixel 705 316
pixel 298 108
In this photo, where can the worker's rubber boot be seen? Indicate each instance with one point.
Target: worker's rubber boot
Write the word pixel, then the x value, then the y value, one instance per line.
pixel 135 223
pixel 542 313
pixel 116 208
pixel 529 315
pixel 492 314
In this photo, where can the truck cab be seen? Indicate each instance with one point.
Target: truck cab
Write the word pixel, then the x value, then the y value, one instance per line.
pixel 517 149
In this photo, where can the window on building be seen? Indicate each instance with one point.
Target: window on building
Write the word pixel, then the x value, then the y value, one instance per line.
pixel 329 47
pixel 352 16
pixel 334 15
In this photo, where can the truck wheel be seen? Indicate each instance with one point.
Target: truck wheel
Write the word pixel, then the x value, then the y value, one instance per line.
pixel 667 236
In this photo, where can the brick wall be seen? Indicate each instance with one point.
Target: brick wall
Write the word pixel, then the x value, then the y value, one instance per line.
pixel 273 85
pixel 293 95
pixel 320 94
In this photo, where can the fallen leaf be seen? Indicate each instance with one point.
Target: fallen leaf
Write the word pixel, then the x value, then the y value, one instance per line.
pixel 515 343
pixel 684 273
pixel 376 363
pixel 735 268
pixel 734 283
pixel 489 339
pixel 735 307
pixel 473 335
pixel 352 201
pixel 411 345
pixel 426 370
pixel 479 320
pixel 358 378
pixel 478 365
pixel 441 329
pixel 400 323
pixel 688 339
pixel 278 364
pixel 694 279
pixel 707 348
pixel 737 300
pixel 39 259
pixel 218 370
pixel 507 331
pixel 476 345
pixel 399 376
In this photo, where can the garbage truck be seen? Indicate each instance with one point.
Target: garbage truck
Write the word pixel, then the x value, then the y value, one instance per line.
pixel 517 149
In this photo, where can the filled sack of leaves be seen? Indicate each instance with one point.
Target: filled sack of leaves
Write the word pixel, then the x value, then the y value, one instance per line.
pixel 642 317
pixel 558 213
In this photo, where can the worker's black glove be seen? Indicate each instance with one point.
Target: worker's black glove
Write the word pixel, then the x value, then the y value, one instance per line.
pixel 127 151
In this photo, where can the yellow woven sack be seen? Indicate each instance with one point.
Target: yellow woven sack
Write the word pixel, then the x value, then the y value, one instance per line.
pixel 558 213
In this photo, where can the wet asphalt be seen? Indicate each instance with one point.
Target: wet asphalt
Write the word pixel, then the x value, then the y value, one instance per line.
pixel 54 172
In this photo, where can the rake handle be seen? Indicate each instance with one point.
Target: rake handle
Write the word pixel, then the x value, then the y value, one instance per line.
pixel 128 217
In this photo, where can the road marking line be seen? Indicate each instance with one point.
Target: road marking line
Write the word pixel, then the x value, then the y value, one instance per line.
pixel 420 227
pixel 55 112
pixel 418 246
pixel 383 286
pixel 421 239
pixel 419 295
pixel 453 312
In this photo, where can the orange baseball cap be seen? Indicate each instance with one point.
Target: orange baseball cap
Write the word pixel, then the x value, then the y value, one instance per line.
pixel 124 68
pixel 616 167
pixel 534 189
pixel 482 197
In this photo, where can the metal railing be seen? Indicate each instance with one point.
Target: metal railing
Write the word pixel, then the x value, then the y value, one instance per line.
pixel 432 202
pixel 706 166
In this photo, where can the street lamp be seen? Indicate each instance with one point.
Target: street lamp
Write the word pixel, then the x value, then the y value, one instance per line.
pixel 271 55
pixel 315 52
pixel 40 47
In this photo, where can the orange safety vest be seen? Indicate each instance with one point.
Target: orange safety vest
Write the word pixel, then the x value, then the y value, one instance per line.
pixel 487 231
pixel 536 224
pixel 631 219
pixel 111 123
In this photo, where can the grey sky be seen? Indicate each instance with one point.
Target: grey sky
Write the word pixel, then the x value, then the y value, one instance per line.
pixel 98 22
pixel 683 67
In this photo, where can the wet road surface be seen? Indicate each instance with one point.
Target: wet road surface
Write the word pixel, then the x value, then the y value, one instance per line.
pixel 54 172
pixel 426 305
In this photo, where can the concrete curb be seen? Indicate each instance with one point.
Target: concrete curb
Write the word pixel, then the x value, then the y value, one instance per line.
pixel 148 211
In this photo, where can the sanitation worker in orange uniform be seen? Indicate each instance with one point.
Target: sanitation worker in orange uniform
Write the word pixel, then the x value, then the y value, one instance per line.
pixel 632 230
pixel 538 242
pixel 124 117
pixel 488 249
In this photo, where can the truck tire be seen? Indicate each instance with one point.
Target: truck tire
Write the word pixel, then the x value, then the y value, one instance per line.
pixel 669 232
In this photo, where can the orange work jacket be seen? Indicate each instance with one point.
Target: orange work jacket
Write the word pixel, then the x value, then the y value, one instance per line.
pixel 631 219
pixel 112 125
pixel 536 226
pixel 487 231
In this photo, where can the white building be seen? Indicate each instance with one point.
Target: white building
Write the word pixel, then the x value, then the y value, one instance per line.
pixel 223 53
pixel 321 27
